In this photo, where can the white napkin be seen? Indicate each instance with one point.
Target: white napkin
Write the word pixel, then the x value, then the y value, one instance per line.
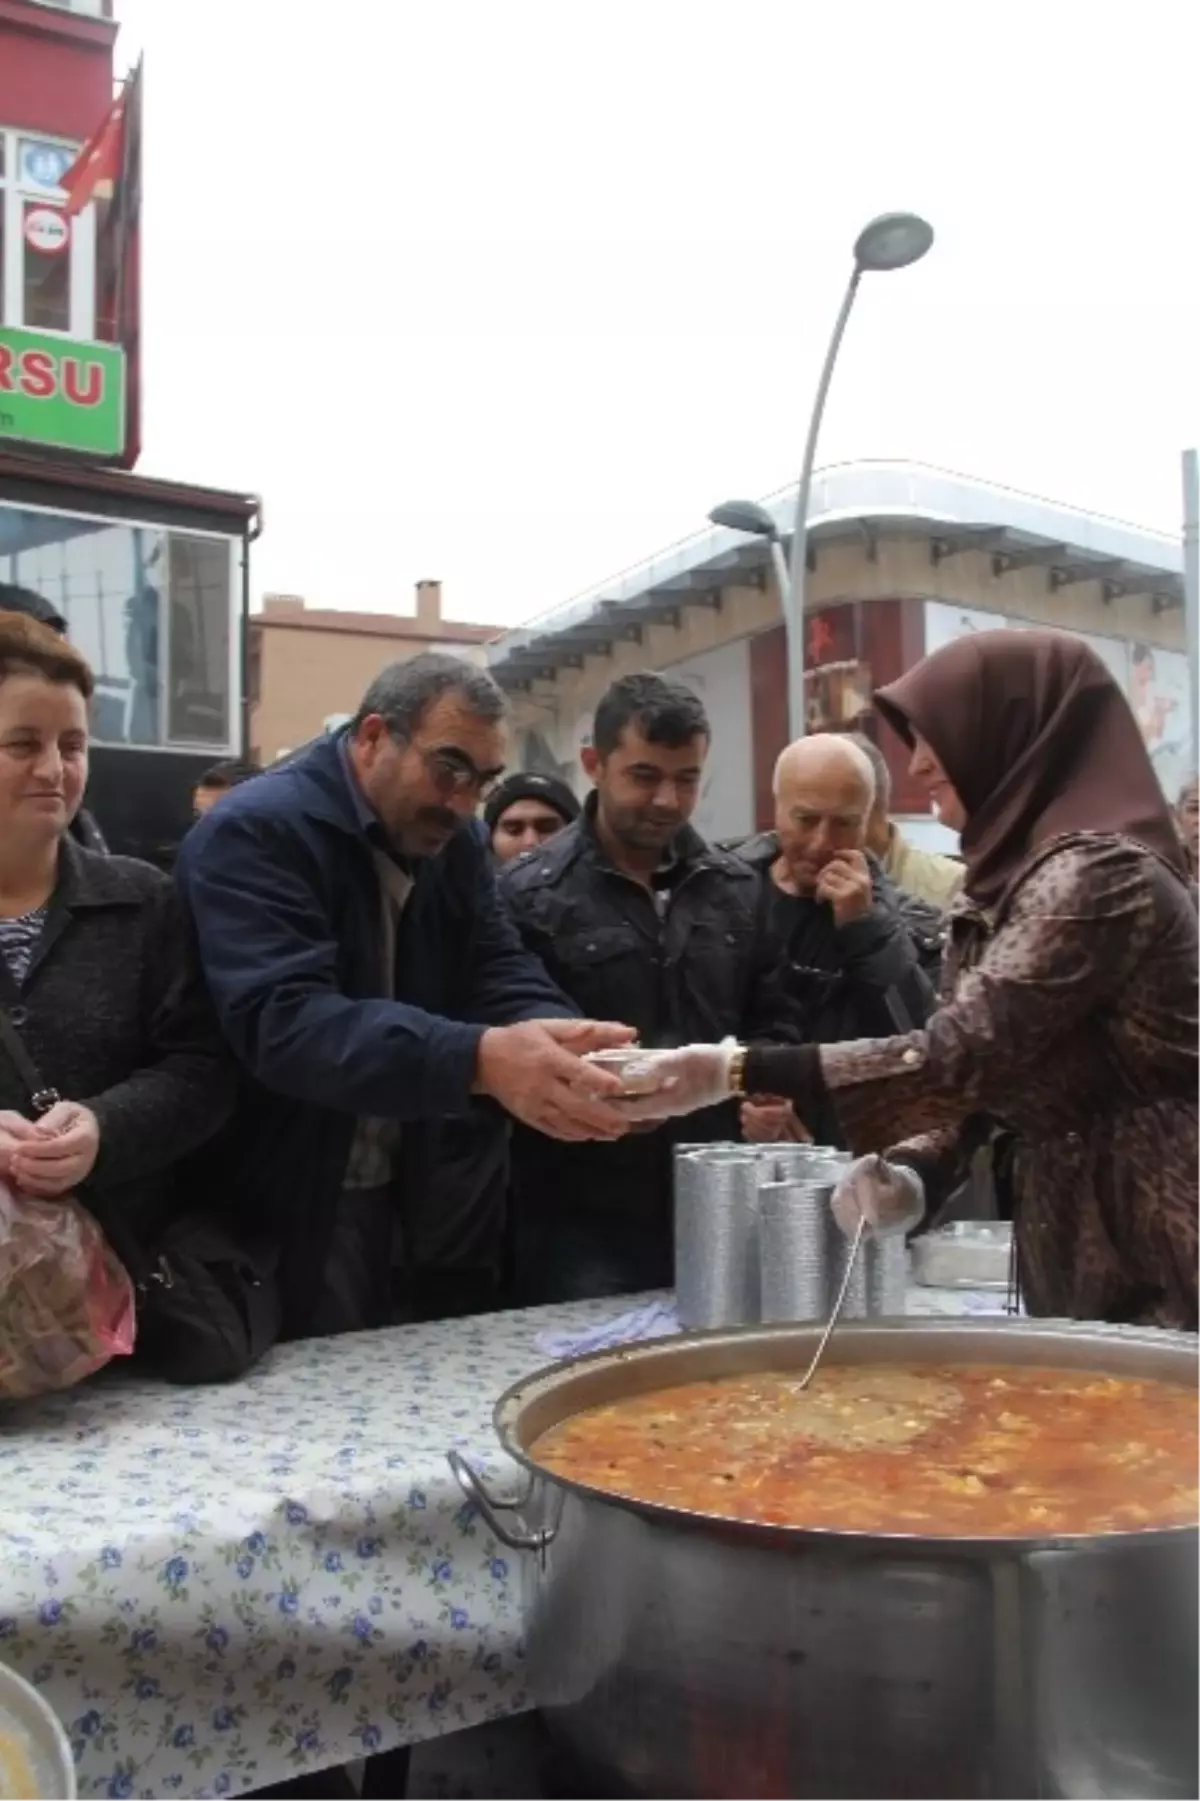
pixel 657 1319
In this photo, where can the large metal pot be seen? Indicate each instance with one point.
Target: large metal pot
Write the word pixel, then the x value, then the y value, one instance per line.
pixel 680 1655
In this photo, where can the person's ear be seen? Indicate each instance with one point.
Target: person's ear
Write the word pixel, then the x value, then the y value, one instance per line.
pixel 590 758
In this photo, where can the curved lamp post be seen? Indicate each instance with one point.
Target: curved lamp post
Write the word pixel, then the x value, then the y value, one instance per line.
pixel 892 241
pixel 747 516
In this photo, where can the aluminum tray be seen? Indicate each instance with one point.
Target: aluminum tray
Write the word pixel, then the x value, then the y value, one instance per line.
pixel 969 1254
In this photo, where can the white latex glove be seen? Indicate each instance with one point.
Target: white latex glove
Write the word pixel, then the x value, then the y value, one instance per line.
pixel 695 1076
pixel 889 1196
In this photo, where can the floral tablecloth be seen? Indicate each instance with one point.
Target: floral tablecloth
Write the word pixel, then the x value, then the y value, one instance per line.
pixel 219 1588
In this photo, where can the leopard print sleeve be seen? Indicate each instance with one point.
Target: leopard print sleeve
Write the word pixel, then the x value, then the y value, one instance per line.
pixel 1071 935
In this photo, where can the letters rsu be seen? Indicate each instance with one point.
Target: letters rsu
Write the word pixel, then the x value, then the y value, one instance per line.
pixel 40 376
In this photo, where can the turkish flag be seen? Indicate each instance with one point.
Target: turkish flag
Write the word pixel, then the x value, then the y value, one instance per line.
pixel 94 173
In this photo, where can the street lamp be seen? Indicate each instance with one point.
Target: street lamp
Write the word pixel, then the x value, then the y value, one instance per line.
pixel 747 516
pixel 892 241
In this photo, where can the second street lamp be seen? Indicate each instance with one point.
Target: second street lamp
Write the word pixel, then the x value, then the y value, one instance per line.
pixel 747 516
pixel 892 241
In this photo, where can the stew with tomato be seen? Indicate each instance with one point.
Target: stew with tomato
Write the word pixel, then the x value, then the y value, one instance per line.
pixel 970 1451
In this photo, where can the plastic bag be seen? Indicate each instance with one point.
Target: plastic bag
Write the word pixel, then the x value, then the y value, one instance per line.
pixel 66 1301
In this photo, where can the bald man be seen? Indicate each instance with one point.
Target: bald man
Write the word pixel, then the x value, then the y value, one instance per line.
pixel 856 958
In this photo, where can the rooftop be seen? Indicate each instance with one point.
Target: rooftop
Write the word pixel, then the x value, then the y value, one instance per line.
pixel 859 502
pixel 289 613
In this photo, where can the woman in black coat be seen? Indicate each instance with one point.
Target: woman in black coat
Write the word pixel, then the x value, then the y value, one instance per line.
pixel 96 972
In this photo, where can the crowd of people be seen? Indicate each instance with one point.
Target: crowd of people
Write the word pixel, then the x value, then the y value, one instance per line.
pixel 353 1021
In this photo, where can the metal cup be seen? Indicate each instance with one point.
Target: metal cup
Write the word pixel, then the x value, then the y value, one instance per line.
pixel 879 1284
pixel 716 1239
pixel 794 1250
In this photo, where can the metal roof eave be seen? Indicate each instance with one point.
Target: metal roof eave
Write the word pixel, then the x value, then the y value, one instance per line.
pixel 867 499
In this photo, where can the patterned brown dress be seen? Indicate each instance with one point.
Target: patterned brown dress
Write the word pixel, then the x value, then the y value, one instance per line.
pixel 1069 1017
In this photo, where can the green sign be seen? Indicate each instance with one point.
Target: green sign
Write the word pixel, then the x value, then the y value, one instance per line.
pixel 63 393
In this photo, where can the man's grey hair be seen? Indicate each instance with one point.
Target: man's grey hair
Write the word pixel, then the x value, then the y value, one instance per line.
pixel 402 693
pixel 878 762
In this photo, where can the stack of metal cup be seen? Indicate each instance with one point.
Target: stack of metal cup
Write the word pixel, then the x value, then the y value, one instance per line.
pixel 716 1235
pixel 880 1279
pixel 755 1239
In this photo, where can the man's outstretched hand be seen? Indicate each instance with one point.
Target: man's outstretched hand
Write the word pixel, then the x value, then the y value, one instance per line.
pixel 535 1071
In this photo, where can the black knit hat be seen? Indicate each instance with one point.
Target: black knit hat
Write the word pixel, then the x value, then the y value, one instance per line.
pixel 531 786
pixel 15 599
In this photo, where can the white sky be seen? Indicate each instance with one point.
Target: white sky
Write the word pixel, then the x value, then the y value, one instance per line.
pixel 511 293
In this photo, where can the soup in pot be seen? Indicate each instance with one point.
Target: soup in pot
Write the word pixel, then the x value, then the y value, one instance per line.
pixel 971 1451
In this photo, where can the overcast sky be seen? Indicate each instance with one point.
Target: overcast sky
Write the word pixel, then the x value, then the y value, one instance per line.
pixel 511 293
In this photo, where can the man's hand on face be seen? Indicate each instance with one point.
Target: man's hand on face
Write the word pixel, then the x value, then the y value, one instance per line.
pixel 535 1072
pixel 845 882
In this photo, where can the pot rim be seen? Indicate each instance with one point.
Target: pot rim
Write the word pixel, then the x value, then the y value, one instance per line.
pixel 1181 1348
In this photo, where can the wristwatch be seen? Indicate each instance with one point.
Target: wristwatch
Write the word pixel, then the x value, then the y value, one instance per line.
pixel 737 1071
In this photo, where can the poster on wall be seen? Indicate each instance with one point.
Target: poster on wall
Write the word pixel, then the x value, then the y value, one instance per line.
pixel 944 624
pixel 554 750
pixel 1153 680
pixel 837 679
pixel 837 697
pixel 722 680
pixel 1158 694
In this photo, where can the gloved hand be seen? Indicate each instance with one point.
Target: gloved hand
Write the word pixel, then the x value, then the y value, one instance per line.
pixel 889 1196
pixel 695 1076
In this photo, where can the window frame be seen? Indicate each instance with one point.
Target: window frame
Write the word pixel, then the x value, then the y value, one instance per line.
pixel 231 746
pixel 81 273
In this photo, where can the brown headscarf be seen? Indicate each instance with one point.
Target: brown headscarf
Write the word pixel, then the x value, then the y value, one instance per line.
pixel 1038 740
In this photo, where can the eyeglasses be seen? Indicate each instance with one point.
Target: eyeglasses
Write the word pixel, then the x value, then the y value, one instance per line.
pixel 452 772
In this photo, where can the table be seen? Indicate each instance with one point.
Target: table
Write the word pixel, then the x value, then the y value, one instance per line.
pixel 219 1588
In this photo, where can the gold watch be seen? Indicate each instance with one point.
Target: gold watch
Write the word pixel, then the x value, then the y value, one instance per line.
pixel 737 1071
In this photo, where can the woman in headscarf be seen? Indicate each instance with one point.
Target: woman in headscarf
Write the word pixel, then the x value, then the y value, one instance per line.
pixel 1069 1010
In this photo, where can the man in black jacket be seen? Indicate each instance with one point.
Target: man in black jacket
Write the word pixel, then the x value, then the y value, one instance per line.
pixel 630 909
pixel 15 599
pixel 855 958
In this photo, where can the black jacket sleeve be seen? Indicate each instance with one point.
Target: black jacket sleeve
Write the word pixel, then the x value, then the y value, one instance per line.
pixel 885 962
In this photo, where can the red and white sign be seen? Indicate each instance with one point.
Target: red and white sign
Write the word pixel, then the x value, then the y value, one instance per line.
pixel 47 230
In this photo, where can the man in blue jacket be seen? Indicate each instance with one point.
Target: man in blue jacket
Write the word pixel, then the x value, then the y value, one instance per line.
pixel 368 979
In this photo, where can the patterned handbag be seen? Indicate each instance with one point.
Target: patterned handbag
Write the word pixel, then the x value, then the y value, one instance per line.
pixel 66 1299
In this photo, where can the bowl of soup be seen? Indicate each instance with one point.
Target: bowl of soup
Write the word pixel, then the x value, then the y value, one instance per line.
pixel 35 1754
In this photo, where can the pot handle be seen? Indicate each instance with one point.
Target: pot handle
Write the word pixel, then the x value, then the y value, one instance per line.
pixel 516 1537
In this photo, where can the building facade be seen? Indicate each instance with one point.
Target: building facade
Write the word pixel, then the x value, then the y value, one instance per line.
pixel 901 559
pixel 308 666
pixel 69 279
pixel 151 577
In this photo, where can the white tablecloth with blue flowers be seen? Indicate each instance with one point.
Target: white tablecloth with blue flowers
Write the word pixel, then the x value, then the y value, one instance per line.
pixel 219 1588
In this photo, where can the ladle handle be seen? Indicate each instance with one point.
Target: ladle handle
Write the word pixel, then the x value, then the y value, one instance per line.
pixel 838 1304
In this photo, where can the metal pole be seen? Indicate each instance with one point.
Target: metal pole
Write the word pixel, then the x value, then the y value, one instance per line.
pixel 793 599
pixel 783 580
pixel 1191 597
